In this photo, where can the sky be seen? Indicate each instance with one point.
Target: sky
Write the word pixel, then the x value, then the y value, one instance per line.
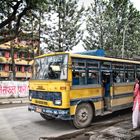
pixel 135 2
pixel 80 48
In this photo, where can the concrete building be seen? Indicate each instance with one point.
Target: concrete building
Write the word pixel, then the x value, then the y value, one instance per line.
pixel 23 54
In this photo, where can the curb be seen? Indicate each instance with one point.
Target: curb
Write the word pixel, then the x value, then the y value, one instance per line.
pixel 13 101
pixel 4 102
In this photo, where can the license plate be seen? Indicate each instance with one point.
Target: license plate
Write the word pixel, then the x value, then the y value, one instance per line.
pixel 38 110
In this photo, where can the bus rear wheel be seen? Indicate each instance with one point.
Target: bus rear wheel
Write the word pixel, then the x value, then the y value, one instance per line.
pixel 83 116
pixel 46 117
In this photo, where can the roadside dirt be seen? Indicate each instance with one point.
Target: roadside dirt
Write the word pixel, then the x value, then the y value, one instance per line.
pixel 116 126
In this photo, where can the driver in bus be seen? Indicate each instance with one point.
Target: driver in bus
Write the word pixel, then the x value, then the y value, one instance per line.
pixel 51 73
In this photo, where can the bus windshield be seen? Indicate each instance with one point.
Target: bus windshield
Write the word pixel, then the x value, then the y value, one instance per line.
pixel 51 67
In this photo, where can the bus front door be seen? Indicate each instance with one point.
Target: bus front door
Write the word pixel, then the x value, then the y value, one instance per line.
pixel 106 82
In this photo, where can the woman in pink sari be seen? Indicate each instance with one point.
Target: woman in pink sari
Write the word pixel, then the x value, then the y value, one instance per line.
pixel 136 105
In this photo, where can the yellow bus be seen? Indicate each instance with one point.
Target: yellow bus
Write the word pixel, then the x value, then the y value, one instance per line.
pixel 79 87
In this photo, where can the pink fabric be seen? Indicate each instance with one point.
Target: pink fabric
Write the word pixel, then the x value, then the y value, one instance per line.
pixel 136 116
pixel 136 96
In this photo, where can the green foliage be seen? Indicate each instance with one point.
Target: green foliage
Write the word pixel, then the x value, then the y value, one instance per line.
pixel 63 27
pixel 114 26
pixel 95 26
pixel 124 27
pixel 37 17
pixel 14 15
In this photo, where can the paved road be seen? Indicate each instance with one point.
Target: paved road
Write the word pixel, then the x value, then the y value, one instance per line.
pixel 17 123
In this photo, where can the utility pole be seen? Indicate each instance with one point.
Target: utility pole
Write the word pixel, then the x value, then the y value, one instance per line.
pixel 124 31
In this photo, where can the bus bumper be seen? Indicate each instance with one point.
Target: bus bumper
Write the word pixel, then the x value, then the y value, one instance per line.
pixel 62 114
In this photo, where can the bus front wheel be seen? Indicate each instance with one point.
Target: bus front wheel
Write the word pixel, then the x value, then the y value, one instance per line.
pixel 83 116
pixel 46 117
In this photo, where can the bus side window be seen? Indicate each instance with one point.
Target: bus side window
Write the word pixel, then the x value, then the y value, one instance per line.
pixel 92 78
pixel 82 78
pixel 78 72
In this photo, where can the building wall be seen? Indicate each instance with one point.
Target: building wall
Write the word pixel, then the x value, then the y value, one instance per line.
pixel 14 89
pixel 23 62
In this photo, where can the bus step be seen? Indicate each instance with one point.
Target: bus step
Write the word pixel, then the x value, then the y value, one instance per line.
pixel 106 113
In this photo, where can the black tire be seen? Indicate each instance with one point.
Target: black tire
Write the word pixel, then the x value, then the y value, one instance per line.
pixel 83 116
pixel 46 117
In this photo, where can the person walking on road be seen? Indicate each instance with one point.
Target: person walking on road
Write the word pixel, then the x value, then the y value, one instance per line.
pixel 136 105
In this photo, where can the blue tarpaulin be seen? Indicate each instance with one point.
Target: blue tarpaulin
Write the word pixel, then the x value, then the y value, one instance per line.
pixel 98 52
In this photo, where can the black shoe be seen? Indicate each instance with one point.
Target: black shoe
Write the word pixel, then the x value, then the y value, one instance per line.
pixel 134 129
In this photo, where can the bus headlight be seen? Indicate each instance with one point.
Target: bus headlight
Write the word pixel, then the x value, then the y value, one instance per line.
pixel 57 98
pixel 57 102
pixel 30 96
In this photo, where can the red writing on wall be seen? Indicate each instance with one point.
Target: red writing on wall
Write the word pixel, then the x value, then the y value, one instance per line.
pixel 7 89
pixel 22 89
pixel 13 90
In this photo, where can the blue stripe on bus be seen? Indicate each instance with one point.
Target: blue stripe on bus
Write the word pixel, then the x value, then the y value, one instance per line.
pixel 119 107
pixel 93 99
pixel 97 99
pixel 122 95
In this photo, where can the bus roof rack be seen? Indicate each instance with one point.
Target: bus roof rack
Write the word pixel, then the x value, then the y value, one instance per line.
pixel 97 52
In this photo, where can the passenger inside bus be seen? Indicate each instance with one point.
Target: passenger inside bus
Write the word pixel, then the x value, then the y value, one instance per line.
pixel 116 77
pixel 93 79
pixel 75 78
pixel 118 80
pixel 126 78
pixel 82 78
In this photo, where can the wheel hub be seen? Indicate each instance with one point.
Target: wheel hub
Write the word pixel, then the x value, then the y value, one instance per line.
pixel 83 115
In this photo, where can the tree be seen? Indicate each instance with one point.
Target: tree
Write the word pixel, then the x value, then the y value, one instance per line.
pixel 35 24
pixel 63 28
pixel 95 26
pixel 123 28
pixel 18 16
pixel 118 22
pixel 15 12
pixel 131 33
